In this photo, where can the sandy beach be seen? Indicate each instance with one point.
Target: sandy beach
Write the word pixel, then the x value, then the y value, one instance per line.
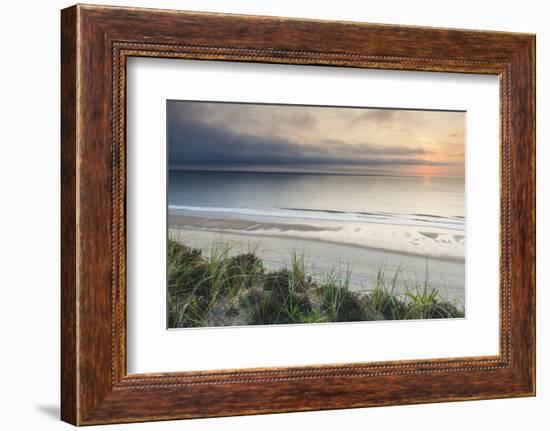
pixel 274 241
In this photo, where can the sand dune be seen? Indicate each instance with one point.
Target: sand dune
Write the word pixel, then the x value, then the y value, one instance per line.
pixel 274 243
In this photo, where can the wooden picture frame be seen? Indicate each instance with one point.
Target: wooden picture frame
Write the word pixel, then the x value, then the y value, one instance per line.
pixel 95 43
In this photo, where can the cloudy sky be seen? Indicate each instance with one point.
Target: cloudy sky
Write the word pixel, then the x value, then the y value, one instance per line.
pixel 287 138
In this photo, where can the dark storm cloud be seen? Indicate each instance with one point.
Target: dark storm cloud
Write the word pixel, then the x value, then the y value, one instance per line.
pixel 196 142
pixel 192 142
pixel 364 148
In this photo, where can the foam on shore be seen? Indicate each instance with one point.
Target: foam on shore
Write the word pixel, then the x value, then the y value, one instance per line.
pixel 422 240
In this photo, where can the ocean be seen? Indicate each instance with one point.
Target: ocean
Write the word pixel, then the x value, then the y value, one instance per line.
pixel 418 215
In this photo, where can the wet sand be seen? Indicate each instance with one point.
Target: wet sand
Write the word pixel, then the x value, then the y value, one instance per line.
pixel 274 242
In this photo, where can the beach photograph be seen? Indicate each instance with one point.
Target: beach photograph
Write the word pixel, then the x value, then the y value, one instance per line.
pixel 298 214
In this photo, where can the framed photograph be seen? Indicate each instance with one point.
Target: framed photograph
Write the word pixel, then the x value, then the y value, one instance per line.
pixel 267 215
pixel 287 214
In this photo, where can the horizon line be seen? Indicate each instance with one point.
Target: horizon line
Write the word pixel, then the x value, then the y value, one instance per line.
pixel 311 173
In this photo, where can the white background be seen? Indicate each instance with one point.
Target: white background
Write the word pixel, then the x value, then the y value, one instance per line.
pixel 151 348
pixel 29 229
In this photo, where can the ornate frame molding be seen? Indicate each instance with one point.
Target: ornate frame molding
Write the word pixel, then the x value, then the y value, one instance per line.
pixel 96 41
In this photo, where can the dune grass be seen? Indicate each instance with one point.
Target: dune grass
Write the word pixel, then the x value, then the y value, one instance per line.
pixel 221 288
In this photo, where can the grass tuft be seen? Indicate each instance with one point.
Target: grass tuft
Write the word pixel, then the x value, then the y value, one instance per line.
pixel 225 289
